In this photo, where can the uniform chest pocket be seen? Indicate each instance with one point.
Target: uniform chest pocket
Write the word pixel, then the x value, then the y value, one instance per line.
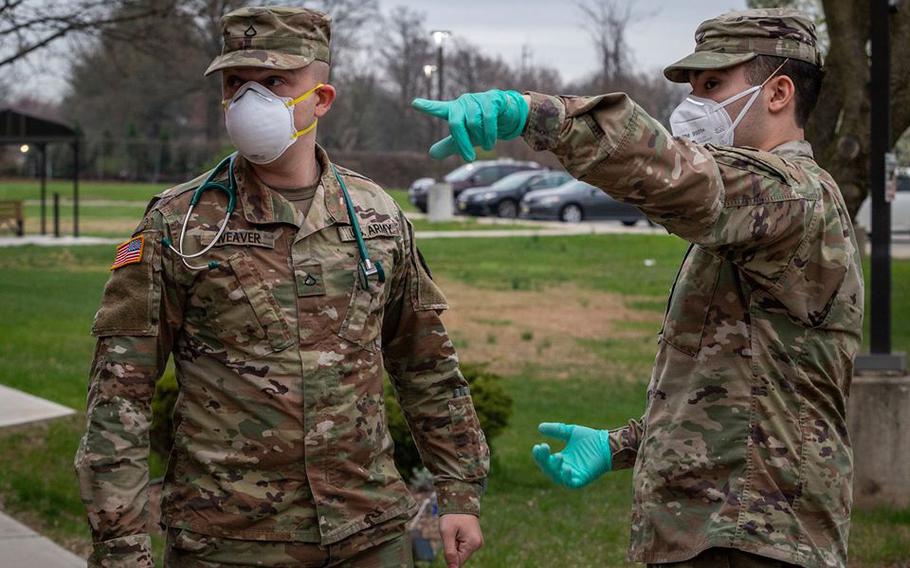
pixel 362 323
pixel 690 301
pixel 235 307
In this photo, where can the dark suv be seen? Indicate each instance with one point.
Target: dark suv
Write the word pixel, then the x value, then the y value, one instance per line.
pixel 475 174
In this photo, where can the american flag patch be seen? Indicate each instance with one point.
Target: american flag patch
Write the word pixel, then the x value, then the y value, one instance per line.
pixel 129 252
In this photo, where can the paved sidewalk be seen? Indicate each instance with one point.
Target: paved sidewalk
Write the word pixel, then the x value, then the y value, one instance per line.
pixel 546 229
pixel 17 407
pixel 50 241
pixel 20 546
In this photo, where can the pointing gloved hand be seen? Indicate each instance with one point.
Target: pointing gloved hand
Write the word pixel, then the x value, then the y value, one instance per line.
pixel 476 119
pixel 586 457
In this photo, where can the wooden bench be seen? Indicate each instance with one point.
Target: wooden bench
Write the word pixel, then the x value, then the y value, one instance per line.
pixel 12 216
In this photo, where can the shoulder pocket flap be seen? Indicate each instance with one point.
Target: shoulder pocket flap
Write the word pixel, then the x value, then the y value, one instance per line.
pixel 425 294
pixel 758 162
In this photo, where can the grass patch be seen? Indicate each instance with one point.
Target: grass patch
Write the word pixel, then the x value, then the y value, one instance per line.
pixel 612 263
pixel 29 189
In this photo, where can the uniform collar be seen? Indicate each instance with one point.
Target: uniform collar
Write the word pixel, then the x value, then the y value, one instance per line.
pixel 794 149
pixel 262 205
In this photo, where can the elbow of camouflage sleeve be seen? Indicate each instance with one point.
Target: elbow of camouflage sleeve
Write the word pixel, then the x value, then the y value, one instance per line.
pixel 460 497
pixel 131 551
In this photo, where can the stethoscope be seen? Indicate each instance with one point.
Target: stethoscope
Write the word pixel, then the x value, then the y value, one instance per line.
pixel 366 268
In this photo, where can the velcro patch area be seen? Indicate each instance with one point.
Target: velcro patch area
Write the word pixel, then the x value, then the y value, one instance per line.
pixel 370 230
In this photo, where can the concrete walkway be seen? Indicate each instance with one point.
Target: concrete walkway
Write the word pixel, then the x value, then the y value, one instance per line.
pixel 546 229
pixel 20 546
pixel 17 407
pixel 50 241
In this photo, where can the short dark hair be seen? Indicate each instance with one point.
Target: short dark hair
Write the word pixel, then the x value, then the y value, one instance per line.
pixel 806 77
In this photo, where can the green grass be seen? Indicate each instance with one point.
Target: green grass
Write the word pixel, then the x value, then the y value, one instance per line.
pixel 48 297
pixel 527 520
pixel 109 190
pixel 612 263
pixel 900 306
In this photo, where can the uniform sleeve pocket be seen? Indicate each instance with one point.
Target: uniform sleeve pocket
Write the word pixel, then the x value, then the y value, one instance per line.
pixel 468 438
pixel 425 294
pixel 131 301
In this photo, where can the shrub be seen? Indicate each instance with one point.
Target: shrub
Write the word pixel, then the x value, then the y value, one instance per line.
pixel 161 432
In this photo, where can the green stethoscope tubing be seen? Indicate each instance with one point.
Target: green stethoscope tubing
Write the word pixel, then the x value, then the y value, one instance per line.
pixel 365 268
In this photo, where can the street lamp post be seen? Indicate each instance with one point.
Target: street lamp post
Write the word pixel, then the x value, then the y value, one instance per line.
pixel 428 71
pixel 440 37
pixel 881 357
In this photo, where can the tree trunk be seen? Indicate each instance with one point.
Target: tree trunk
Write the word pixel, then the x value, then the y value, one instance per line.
pixel 839 129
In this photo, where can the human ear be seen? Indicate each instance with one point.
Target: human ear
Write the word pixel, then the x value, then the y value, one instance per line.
pixel 325 97
pixel 782 93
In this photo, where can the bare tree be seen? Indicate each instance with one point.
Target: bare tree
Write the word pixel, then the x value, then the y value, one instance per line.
pixel 469 70
pixel 607 22
pixel 353 25
pixel 30 25
pixel 405 49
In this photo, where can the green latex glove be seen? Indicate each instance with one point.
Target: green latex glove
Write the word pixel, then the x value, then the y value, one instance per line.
pixel 586 457
pixel 476 119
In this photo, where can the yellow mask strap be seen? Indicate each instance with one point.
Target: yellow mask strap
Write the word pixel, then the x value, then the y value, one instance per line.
pixel 305 95
pixel 306 130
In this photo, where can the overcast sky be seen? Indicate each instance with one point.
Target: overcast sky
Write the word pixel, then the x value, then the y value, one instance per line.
pixel 554 29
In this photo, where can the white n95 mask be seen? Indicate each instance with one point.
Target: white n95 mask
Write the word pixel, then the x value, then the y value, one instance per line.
pixel 261 124
pixel 706 121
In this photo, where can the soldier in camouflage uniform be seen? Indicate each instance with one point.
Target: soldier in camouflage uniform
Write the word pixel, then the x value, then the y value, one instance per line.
pixel 282 453
pixel 742 457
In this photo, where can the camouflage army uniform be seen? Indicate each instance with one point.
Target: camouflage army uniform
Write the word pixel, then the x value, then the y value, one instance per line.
pixel 743 443
pixel 281 432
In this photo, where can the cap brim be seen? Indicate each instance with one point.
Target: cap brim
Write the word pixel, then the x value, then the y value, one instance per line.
pixel 702 61
pixel 261 58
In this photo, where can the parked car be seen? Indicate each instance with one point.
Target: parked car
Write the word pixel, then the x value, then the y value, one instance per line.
pixel 420 184
pixel 577 201
pixel 475 174
pixel 502 198
pixel 900 208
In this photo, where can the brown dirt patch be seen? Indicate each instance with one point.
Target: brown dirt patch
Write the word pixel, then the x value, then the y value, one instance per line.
pixel 515 331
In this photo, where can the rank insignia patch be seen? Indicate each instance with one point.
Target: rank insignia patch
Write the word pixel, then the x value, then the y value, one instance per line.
pixel 129 252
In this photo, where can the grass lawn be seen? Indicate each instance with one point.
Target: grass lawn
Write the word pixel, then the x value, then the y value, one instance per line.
pixel 48 297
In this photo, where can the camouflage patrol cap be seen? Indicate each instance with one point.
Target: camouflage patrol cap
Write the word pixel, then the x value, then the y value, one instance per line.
pixel 274 38
pixel 737 37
